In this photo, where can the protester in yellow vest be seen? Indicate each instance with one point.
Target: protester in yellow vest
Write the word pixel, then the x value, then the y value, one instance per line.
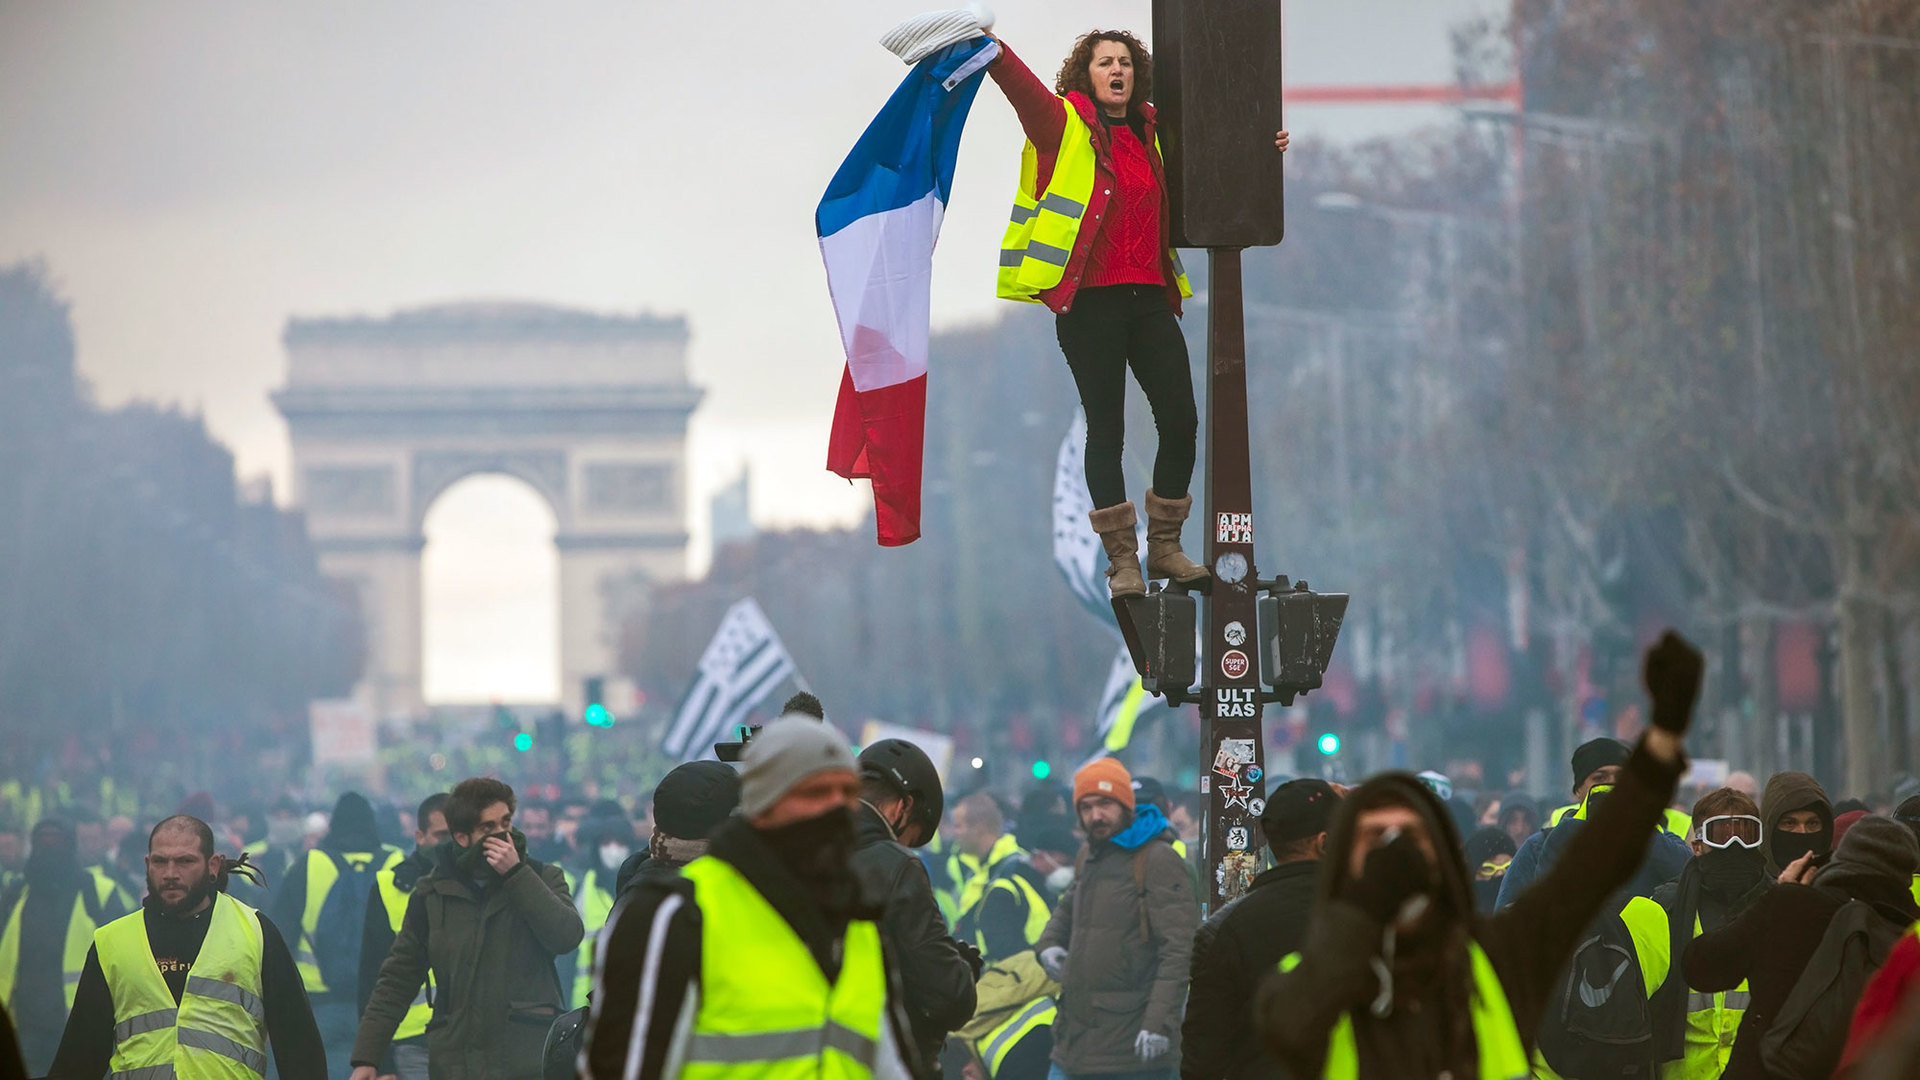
pixel 1011 1033
pixel 1694 1031
pixel 608 841
pixel 1003 906
pixel 1400 977
pixel 762 960
pixel 386 910
pixel 47 920
pixel 195 986
pixel 1091 239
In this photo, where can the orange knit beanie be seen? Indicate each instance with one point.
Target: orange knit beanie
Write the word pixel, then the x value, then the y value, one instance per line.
pixel 1104 776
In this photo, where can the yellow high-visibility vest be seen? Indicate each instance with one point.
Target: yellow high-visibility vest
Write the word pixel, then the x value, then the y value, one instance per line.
pixel 1503 1056
pixel 595 900
pixel 1712 1022
pixel 1677 822
pixel 321 875
pixel 981 871
pixel 73 955
pixel 998 1043
pixel 766 1010
pixel 218 1031
pixel 395 899
pixel 1043 226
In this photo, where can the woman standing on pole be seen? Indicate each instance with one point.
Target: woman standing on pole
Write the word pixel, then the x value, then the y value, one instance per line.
pixel 1090 238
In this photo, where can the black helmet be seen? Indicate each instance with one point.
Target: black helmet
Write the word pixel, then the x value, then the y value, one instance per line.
pixel 908 770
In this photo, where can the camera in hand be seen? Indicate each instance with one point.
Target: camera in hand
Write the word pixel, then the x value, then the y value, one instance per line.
pixel 730 751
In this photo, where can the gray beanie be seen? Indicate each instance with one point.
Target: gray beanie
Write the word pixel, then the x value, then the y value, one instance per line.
pixel 785 752
pixel 1875 847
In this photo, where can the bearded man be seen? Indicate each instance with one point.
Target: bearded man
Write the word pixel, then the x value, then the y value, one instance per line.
pixel 194 983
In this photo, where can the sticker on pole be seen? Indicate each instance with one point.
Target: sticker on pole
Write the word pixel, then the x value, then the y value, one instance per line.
pixel 1234 664
pixel 1237 838
pixel 1233 529
pixel 1235 633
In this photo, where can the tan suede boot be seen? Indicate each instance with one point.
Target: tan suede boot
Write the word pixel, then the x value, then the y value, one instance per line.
pixel 1115 524
pixel 1164 557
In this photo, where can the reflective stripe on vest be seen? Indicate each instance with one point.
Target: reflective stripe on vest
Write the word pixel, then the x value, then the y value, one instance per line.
pixel 766 1008
pixel 976 884
pixel 218 1031
pixel 394 900
pixel 1028 897
pixel 595 900
pixel 321 874
pixel 1712 1022
pixel 1502 1055
pixel 73 955
pixel 1043 226
pixel 998 1043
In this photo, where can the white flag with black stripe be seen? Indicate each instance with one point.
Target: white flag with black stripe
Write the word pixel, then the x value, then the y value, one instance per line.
pixel 742 665
pixel 1076 548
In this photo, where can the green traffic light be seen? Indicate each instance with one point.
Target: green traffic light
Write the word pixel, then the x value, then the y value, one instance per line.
pixel 1042 770
pixel 523 741
pixel 599 715
pixel 1329 744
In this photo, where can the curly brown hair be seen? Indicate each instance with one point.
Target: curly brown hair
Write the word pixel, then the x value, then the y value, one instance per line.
pixel 1073 72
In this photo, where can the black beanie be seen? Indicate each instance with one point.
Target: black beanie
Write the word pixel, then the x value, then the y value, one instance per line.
pixel 694 798
pixel 1597 754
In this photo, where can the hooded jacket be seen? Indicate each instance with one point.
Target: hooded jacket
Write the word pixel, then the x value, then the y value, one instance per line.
pixel 491 950
pixel 1785 793
pixel 1127 923
pixel 1528 942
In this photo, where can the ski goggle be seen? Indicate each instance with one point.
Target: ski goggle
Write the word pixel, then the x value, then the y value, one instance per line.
pixel 1727 830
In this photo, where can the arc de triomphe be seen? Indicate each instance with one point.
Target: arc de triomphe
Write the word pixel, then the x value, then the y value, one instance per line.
pixel 589 410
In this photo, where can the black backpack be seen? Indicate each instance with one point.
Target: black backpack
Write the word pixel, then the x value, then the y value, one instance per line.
pixel 1807 1037
pixel 342 922
pixel 1598 1024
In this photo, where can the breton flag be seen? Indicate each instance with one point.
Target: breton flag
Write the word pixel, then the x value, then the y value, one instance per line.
pixel 877 224
pixel 742 665
pixel 1076 547
pixel 1120 703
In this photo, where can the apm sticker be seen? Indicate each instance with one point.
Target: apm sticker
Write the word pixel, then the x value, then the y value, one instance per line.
pixel 1233 529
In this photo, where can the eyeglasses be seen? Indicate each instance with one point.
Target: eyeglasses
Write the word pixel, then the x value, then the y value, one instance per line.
pixel 1727 830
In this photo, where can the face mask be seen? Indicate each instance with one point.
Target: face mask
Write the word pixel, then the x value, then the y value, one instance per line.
pixel 612 855
pixel 1788 846
pixel 1731 870
pixel 816 849
pixel 1060 879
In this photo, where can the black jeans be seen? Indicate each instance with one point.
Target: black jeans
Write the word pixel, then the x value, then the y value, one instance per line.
pixel 1107 329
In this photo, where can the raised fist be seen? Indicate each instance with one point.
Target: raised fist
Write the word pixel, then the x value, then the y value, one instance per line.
pixel 1672 671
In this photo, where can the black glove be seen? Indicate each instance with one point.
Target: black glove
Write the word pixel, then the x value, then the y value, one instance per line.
pixel 1672 671
pixel 972 956
pixel 1394 873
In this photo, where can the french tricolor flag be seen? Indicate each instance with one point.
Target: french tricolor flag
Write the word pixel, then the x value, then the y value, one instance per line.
pixel 878 223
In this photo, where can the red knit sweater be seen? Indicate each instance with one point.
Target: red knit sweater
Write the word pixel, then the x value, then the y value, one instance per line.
pixel 1127 249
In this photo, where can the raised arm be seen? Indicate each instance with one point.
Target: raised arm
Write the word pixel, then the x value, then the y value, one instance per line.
pixel 1043 116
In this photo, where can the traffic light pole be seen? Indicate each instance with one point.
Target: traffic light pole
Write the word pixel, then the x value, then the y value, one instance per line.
pixel 1232 752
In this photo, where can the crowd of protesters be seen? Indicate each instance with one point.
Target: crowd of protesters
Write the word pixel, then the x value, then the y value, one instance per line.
pixel 1405 926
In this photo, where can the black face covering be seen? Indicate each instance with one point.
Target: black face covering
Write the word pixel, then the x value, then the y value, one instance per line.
pixel 1730 871
pixel 819 851
pixel 1788 846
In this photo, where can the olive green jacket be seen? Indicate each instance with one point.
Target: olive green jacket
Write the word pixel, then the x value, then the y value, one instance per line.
pixel 492 955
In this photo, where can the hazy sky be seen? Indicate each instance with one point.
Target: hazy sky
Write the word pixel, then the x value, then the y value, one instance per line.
pixel 196 172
